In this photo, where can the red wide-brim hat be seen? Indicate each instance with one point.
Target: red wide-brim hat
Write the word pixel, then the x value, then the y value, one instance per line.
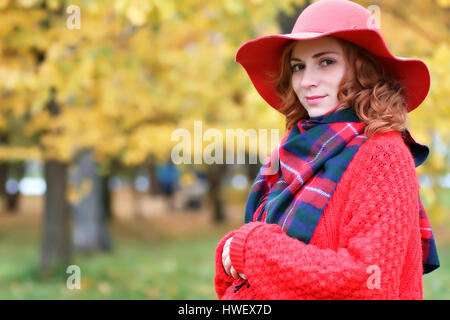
pixel 342 19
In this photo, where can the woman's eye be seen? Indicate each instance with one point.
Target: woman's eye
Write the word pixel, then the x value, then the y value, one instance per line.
pixel 297 67
pixel 327 62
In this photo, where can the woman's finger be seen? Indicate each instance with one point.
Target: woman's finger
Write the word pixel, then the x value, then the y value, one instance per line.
pixel 234 273
pixel 226 261
pixel 227 265
pixel 227 244
pixel 225 254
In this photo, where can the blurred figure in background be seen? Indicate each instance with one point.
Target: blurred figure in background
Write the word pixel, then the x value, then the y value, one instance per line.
pixel 196 189
pixel 167 176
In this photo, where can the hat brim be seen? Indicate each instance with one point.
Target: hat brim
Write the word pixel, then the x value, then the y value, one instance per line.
pixel 261 56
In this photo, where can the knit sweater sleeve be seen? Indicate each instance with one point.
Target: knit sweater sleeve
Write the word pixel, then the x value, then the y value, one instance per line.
pixel 221 280
pixel 380 211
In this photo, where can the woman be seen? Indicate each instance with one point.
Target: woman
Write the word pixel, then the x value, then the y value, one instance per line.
pixel 342 217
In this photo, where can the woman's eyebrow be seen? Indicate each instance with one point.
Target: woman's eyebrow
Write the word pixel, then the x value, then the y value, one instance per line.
pixel 315 56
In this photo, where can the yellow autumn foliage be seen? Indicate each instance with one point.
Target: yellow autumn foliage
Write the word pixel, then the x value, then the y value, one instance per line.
pixel 136 70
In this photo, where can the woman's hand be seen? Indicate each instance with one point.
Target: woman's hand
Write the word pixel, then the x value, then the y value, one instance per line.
pixel 226 261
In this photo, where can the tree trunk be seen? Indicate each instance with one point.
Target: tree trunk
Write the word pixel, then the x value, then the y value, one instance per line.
pixel 3 169
pixel 154 185
pixel 16 171
pixel 56 250
pixel 9 169
pixel 106 193
pixel 215 173
pixel 3 180
pixel 12 202
pixel 90 232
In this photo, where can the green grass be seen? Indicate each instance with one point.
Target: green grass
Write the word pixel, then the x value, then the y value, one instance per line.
pixel 171 270
pixel 138 268
pixel 135 269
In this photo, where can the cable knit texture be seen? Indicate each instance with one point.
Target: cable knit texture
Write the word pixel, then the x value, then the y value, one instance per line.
pixel 368 232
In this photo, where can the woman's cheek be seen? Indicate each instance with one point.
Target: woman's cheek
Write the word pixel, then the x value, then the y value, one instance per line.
pixel 296 80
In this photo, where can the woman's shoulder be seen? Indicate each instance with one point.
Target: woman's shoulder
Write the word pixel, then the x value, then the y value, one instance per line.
pixel 386 138
pixel 385 150
pixel 387 144
pixel 382 157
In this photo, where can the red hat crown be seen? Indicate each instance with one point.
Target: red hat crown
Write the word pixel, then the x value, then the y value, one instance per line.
pixel 332 15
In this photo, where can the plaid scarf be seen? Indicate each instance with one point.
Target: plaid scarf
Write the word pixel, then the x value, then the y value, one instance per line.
pixel 311 159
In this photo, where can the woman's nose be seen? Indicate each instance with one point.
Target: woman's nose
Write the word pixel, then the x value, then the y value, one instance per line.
pixel 309 78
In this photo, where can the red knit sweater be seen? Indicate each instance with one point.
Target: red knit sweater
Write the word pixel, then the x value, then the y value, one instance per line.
pixel 368 232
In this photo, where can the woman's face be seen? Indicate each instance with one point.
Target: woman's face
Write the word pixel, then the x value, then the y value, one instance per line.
pixel 318 67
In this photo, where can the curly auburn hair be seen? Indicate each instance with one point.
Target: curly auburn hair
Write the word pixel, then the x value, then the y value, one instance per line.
pixel 377 96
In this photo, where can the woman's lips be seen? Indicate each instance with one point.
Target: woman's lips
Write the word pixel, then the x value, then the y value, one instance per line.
pixel 314 99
